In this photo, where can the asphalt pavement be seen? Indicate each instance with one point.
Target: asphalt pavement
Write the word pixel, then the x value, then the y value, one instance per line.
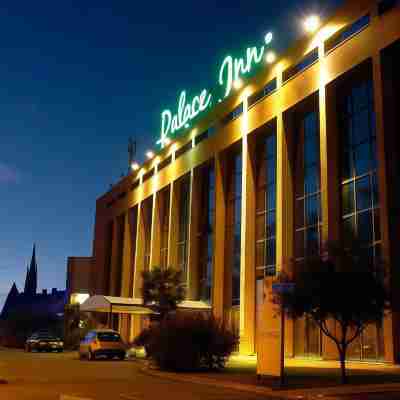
pixel 44 376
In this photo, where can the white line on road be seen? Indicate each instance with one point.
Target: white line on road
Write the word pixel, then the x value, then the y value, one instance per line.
pixel 130 397
pixel 65 397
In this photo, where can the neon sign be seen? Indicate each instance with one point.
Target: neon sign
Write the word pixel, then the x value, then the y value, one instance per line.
pixel 230 71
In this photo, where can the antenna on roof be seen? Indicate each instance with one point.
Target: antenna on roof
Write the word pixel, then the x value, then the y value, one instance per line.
pixel 131 152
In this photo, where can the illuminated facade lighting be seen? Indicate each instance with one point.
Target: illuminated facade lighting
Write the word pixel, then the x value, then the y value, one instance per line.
pixel 270 57
pixel 149 154
pixel 135 166
pixel 312 23
pixel 167 141
pixel 238 84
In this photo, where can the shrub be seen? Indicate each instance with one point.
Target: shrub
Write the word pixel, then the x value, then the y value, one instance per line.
pixel 188 342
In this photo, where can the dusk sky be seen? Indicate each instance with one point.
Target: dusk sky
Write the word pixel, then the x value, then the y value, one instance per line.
pixel 78 78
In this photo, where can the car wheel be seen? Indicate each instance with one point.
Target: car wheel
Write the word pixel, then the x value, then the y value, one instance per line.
pixel 122 357
pixel 27 348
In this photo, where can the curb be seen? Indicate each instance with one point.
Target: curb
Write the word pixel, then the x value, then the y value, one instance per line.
pixel 214 382
pixel 332 393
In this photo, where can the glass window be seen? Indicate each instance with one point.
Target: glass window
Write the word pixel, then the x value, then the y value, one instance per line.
pixel 266 205
pixel 307 186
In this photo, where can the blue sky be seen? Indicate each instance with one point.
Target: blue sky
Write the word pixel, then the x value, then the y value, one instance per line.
pixel 77 78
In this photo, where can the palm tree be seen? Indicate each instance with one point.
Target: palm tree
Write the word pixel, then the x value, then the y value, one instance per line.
pixel 163 290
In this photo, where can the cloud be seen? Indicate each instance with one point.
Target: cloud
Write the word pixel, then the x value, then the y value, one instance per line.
pixel 8 174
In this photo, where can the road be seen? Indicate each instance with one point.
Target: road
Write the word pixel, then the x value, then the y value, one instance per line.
pixel 43 376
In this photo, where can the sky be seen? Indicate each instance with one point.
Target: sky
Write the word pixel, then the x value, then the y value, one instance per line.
pixel 77 79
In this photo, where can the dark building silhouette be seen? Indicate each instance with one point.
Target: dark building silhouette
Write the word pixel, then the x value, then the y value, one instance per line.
pixel 29 303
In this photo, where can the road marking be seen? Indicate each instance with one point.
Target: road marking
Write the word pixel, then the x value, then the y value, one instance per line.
pixel 65 397
pixel 130 397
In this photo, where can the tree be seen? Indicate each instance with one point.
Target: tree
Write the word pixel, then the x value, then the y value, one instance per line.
pixel 345 287
pixel 162 290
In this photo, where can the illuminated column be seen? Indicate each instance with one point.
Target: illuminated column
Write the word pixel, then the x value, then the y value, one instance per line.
pixel 284 208
pixel 173 226
pixel 139 254
pixel 193 256
pixel 284 199
pixel 155 242
pixel 329 156
pixel 115 257
pixel 218 293
pixel 126 258
pixel 390 328
pixel 247 255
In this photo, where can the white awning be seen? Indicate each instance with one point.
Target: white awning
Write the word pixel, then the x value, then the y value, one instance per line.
pixel 123 305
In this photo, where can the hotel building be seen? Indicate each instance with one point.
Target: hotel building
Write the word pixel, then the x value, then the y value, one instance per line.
pixel 305 152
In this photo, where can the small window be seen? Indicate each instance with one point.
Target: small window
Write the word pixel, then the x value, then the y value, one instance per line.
pixel 135 184
pixel 121 195
pixel 306 62
pixel 269 88
pixel 347 32
pixel 165 162
pixel 148 175
pixel 235 113
pixel 183 149
pixel 204 135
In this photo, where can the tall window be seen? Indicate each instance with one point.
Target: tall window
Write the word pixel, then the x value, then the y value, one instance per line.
pixel 233 223
pixel 266 207
pixel 183 232
pixel 206 231
pixel 307 187
pixel 164 225
pixel 360 203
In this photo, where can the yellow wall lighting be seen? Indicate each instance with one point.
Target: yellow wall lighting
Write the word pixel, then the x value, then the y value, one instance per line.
pixel 135 166
pixel 149 154
pixel 312 23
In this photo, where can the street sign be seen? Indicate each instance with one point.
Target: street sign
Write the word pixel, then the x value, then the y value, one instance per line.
pixel 282 287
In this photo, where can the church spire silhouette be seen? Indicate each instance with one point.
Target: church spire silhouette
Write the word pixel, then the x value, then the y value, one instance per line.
pixel 31 275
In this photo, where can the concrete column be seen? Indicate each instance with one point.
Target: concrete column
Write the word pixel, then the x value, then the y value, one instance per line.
pixel 139 254
pixel 329 156
pixel 126 258
pixel 115 257
pixel 193 251
pixel 330 180
pixel 155 232
pixel 247 319
pixel 173 226
pixel 218 292
pixel 390 330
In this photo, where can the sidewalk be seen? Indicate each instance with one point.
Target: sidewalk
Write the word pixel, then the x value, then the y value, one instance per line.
pixel 306 379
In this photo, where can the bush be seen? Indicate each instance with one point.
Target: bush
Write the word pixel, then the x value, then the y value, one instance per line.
pixel 188 342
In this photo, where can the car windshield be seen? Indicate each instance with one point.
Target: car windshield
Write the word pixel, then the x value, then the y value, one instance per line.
pixel 108 337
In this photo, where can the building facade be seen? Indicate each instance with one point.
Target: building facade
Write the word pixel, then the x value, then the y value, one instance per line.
pixel 306 152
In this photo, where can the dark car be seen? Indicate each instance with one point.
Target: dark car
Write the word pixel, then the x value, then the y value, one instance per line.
pixel 44 341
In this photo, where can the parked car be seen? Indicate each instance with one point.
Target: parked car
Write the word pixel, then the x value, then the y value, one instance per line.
pixel 102 343
pixel 44 341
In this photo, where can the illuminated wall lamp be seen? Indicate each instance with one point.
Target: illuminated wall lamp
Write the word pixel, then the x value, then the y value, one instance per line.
pixel 270 57
pixel 135 166
pixel 238 84
pixel 149 154
pixel 311 23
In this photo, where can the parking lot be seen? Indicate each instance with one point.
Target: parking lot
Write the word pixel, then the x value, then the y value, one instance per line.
pixel 51 376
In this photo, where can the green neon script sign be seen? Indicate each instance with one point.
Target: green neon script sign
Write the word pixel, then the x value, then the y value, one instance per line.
pixel 231 70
